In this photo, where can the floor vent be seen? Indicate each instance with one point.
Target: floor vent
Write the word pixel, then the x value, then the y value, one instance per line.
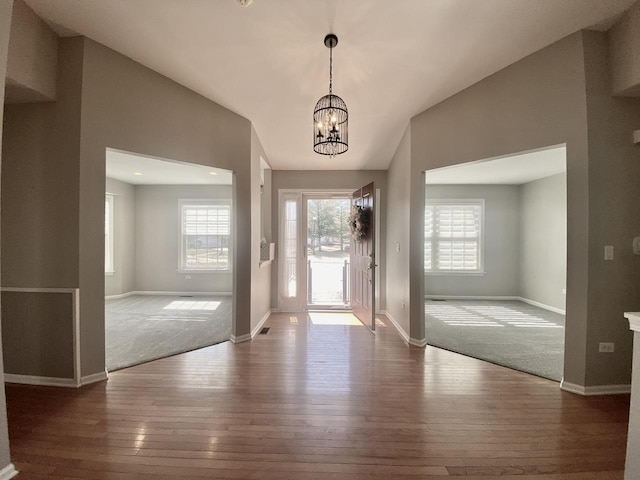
pixel 438 300
pixel 186 296
pixel 265 330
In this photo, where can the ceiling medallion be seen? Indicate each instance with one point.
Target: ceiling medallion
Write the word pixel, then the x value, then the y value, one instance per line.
pixel 330 117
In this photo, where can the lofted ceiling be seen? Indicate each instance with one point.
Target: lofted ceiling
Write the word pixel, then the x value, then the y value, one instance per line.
pixel 268 62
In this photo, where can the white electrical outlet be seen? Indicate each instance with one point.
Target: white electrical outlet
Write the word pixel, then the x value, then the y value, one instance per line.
pixel 606 347
pixel 404 305
pixel 397 247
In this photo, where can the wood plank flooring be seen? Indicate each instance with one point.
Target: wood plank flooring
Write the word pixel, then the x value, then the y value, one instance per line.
pixel 317 400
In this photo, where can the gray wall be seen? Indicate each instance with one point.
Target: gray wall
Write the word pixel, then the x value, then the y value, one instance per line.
pixel 327 180
pixel 157 240
pixel 41 344
pixel 397 234
pixel 129 107
pixel 501 235
pixel 624 51
pixel 5 24
pixel 33 57
pixel 56 175
pixel 538 101
pixel 543 241
pixel 560 94
pixel 124 223
pixel 614 196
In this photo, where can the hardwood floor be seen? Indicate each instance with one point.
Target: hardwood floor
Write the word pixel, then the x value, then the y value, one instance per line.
pixel 316 400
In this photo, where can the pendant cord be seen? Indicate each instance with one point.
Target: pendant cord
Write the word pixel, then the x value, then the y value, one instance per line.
pixel 330 70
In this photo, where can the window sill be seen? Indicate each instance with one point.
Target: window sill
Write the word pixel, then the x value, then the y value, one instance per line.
pixel 455 274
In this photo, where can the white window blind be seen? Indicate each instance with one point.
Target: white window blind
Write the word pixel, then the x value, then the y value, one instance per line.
pixel 206 232
pixel 290 247
pixel 453 240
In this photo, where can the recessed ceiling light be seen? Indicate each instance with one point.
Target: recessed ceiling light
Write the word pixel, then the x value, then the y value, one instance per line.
pixel 137 173
pixel 213 173
pixel 244 3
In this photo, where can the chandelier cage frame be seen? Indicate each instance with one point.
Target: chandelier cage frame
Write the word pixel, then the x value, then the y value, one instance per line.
pixel 330 115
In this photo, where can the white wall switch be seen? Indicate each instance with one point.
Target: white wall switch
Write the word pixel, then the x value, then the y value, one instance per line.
pixel 564 291
pixel 605 347
pixel 608 252
pixel 398 247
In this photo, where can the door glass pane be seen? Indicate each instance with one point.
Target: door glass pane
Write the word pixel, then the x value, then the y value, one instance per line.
pixel 328 241
pixel 290 247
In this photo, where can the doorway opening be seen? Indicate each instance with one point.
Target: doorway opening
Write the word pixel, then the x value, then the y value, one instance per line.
pixel 327 254
pixel 495 260
pixel 168 258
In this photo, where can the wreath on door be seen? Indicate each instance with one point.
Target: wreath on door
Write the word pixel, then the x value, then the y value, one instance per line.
pixel 359 221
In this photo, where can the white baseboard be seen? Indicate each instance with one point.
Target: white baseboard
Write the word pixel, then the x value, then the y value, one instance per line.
pixel 120 295
pixel 497 298
pixel 242 338
pixel 472 297
pixel 42 381
pixel 94 378
pixel 8 472
pixel 169 294
pixel 542 305
pixel 595 389
pixel 403 334
pixel 258 327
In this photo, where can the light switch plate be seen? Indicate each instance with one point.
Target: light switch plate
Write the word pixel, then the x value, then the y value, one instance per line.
pixel 606 347
pixel 608 252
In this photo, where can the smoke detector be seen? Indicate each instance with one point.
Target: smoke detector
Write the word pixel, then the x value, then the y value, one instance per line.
pixel 244 3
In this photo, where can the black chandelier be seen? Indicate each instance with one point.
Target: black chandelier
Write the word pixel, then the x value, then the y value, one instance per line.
pixel 330 117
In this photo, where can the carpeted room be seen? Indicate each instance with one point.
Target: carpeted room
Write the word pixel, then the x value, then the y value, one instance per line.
pixel 168 278
pixel 495 260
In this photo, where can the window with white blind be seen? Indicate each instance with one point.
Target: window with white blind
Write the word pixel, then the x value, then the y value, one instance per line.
pixel 108 235
pixel 206 235
pixel 453 236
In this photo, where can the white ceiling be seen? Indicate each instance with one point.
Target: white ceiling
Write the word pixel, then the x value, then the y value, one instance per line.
pixel 510 170
pixel 145 170
pixel 268 63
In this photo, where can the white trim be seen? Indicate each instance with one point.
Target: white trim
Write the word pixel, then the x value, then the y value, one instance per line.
pixel 472 297
pixel 8 472
pixel 634 320
pixel 94 378
pixel 178 294
pixel 242 338
pixel 75 313
pixel 394 322
pixel 497 297
pixel 542 305
pixel 595 389
pixel 258 327
pixel 120 295
pixel 39 290
pixel 37 380
pixel 418 343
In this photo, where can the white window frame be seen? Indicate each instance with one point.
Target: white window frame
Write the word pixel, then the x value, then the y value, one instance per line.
pixel 201 202
pixel 459 201
pixel 108 236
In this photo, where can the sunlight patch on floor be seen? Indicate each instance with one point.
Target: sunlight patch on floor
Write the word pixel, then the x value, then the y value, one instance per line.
pixel 192 305
pixel 486 316
pixel 319 318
